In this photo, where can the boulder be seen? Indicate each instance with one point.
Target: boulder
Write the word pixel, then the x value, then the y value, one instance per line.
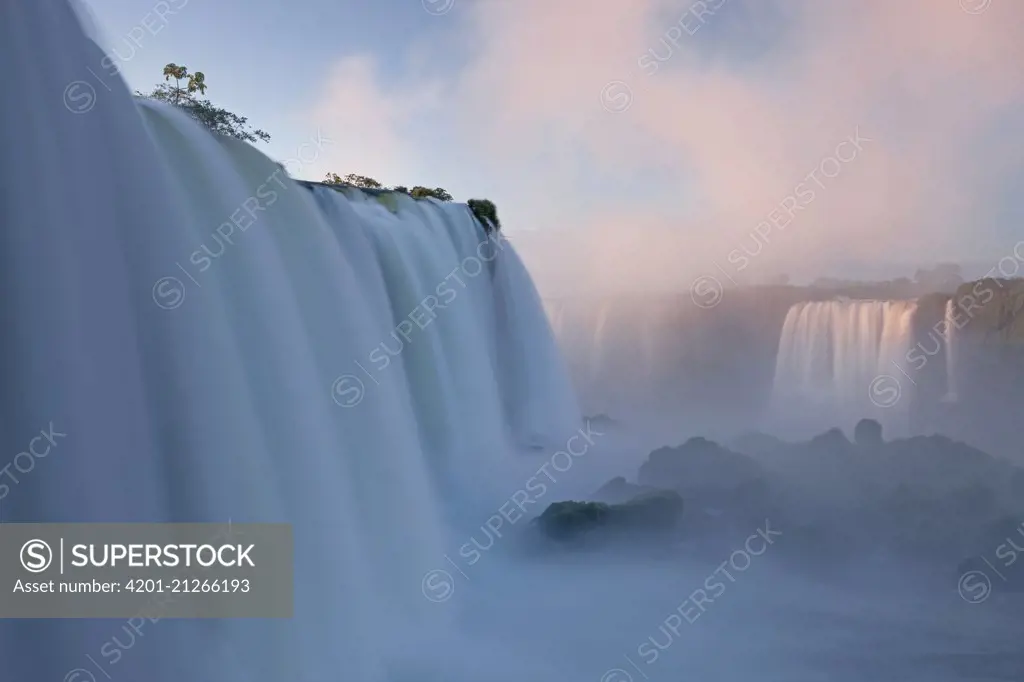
pixel 699 464
pixel 648 514
pixel 868 434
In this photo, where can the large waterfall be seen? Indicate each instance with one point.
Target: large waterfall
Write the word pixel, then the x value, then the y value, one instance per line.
pixel 221 343
pixel 841 361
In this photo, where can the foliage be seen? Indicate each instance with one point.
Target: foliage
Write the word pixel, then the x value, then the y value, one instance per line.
pixel 364 182
pixel 361 181
pixel 486 212
pixel 388 201
pixel 196 82
pixel 184 96
pixel 438 193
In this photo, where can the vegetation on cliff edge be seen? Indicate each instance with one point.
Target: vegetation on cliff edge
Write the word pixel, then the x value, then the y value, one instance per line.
pixel 185 92
pixel 184 95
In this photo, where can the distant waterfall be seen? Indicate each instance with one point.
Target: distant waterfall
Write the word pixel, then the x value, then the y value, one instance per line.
pixel 949 333
pixel 619 350
pixel 840 361
pixel 601 358
pixel 219 342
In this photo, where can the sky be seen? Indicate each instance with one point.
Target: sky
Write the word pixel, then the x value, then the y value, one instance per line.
pixel 638 144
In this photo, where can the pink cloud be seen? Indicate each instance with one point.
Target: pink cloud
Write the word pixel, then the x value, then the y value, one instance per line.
pixel 920 78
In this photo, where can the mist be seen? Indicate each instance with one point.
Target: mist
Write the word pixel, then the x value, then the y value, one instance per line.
pixel 782 185
pixel 747 140
pixel 833 583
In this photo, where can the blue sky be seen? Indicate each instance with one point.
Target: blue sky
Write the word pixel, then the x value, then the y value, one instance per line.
pixel 521 101
pixel 265 60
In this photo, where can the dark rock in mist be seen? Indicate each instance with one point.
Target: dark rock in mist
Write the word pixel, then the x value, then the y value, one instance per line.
pixel 650 514
pixel 600 421
pixel 832 442
pixel 619 490
pixel 998 564
pixel 868 434
pixel 838 503
pixel 699 466
pixel 929 497
pixel 724 490
pixel 756 443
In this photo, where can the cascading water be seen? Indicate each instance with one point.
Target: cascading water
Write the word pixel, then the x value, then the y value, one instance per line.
pixel 841 361
pixel 220 343
pixel 949 333
pixel 535 364
pixel 618 351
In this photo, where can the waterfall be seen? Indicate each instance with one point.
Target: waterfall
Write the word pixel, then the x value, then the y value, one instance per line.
pixel 841 361
pixel 618 350
pixel 220 343
pixel 600 355
pixel 949 334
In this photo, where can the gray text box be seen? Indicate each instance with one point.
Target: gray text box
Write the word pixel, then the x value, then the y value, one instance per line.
pixel 125 570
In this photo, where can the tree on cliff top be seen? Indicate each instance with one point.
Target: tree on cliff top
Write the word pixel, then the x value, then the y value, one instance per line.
pixel 365 182
pixel 353 179
pixel 438 193
pixel 484 210
pixel 184 96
